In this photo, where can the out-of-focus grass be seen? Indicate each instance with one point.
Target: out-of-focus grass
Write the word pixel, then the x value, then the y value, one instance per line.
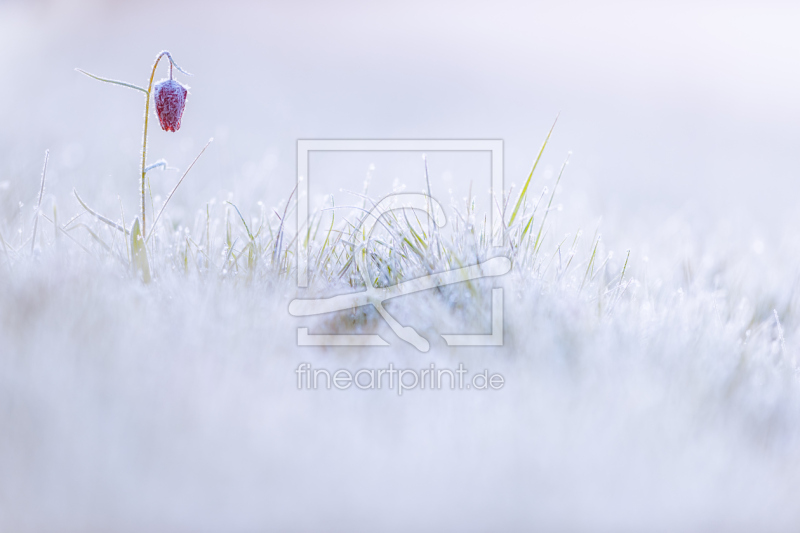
pixel 625 386
pixel 222 242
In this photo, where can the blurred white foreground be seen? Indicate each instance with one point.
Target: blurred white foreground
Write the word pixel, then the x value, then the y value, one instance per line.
pixel 174 405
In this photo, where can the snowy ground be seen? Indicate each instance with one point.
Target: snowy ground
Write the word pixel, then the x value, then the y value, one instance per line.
pixel 667 401
pixel 174 406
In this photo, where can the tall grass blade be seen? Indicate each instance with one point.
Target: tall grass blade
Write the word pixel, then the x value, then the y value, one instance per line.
pixel 164 205
pixel 537 243
pixel 39 204
pixel 524 190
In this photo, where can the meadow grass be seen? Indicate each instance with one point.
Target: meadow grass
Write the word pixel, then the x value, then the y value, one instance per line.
pixel 407 243
pixel 143 368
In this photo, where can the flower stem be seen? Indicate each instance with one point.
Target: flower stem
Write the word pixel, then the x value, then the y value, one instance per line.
pixel 144 138
pixel 144 135
pixel 146 117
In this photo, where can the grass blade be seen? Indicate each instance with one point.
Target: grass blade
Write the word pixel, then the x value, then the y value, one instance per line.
pixel 97 215
pixel 164 206
pixel 114 82
pixel 528 181
pixel 39 204
pixel 139 252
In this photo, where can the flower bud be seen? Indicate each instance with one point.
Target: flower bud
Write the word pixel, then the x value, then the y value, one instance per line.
pixel 170 97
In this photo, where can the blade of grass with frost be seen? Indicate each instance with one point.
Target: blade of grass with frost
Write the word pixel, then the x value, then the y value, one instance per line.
pixel 318 218
pixel 571 255
pixel 192 255
pixel 326 263
pixel 780 332
pixel 39 203
pixel 172 192
pixel 557 252
pixel 279 238
pixel 139 252
pixel 185 257
pixel 122 214
pixel 199 250
pixel 417 237
pixel 591 262
pixel 114 245
pixel 308 236
pixel 419 223
pixel 228 256
pixel 23 244
pixel 596 231
pixel 115 82
pixel 533 169
pixel 150 194
pixel 601 268
pixel 246 227
pixel 5 250
pixel 530 220
pixel 15 251
pixel 97 215
pixel 55 224
pixel 622 276
pixel 71 221
pixel 537 243
pixel 62 231
pixel 228 226
pixel 503 228
pixel 346 266
pixel 483 231
pixel 161 163
pixel 617 298
pixel 97 238
pixel 324 244
pixel 251 258
pixel 208 236
pixel 433 228
pixel 288 270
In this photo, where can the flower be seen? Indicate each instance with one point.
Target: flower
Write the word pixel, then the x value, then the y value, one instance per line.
pixel 170 99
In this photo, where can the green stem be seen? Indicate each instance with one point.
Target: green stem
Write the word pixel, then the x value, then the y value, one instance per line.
pixel 144 139
pixel 146 117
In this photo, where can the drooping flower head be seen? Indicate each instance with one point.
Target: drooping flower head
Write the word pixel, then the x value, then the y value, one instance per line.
pixel 170 97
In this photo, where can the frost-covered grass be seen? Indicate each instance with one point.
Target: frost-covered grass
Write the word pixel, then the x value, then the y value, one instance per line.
pixel 638 396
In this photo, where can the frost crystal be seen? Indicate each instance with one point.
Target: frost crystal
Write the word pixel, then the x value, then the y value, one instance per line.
pixel 170 99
